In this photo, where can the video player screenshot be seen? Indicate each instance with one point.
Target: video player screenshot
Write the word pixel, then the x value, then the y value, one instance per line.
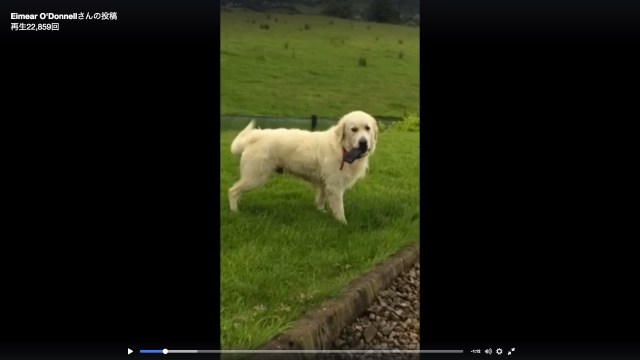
pixel 319 179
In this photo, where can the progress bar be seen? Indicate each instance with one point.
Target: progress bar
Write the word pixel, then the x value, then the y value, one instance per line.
pixel 169 351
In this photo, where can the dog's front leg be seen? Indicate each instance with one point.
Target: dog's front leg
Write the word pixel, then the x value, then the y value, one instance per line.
pixel 320 198
pixel 335 197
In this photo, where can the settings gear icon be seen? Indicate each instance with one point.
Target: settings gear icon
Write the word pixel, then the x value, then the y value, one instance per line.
pixel 499 351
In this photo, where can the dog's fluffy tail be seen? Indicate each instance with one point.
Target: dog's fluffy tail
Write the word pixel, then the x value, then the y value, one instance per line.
pixel 237 146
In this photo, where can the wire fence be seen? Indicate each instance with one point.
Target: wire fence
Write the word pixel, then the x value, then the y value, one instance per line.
pixel 238 122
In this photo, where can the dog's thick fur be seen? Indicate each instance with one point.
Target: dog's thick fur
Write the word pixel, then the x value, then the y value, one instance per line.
pixel 316 157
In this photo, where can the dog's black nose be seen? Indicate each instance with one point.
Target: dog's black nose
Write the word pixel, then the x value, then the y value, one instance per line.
pixel 363 143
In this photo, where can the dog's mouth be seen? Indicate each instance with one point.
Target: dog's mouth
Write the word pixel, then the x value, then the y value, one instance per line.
pixel 355 154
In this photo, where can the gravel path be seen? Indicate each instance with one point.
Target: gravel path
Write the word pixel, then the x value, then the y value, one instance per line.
pixel 392 322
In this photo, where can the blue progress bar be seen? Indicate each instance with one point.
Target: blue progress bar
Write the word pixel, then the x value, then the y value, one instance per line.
pixel 150 351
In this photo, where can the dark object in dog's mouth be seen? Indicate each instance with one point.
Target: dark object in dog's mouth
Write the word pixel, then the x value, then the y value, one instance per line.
pixel 354 154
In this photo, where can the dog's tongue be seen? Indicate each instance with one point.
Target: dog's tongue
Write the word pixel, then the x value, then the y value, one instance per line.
pixel 353 155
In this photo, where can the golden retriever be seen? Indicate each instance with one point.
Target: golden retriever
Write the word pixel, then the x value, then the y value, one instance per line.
pixel 325 159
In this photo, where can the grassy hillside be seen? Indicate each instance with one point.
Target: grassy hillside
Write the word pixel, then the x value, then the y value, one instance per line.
pixel 288 70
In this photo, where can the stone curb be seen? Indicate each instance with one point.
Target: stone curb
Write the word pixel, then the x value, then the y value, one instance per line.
pixel 318 328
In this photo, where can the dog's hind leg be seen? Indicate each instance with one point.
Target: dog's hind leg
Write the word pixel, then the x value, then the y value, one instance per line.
pixel 241 187
pixel 320 197
pixel 250 178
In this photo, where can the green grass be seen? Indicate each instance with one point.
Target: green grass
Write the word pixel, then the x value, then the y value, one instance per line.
pixel 317 71
pixel 280 256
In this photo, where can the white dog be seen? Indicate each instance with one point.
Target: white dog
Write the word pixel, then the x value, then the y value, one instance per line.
pixel 325 159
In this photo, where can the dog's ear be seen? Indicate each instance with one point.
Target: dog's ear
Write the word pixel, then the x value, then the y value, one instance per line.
pixel 374 137
pixel 340 131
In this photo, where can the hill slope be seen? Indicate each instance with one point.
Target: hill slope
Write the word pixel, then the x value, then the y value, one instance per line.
pixel 290 71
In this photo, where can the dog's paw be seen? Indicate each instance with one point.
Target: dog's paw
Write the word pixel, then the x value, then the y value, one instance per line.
pixel 322 209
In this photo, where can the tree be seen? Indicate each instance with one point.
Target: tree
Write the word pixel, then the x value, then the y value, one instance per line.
pixel 383 11
pixel 339 8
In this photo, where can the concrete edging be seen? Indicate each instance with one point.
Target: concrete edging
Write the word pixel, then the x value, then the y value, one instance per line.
pixel 318 328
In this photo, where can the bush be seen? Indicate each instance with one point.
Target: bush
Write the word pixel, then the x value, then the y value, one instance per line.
pixel 340 8
pixel 362 61
pixel 264 26
pixel 382 11
pixel 410 123
pixel 286 45
pixel 307 27
pixel 401 55
pixel 413 23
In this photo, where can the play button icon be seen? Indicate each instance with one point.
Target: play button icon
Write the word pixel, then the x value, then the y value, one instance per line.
pixel 129 351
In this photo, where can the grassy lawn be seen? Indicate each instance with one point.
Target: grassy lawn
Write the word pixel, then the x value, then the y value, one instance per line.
pixel 280 256
pixel 290 71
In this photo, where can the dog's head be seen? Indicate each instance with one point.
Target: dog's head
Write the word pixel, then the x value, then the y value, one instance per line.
pixel 358 129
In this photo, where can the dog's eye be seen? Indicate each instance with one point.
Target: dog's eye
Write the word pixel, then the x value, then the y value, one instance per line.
pixel 354 129
pixel 367 128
